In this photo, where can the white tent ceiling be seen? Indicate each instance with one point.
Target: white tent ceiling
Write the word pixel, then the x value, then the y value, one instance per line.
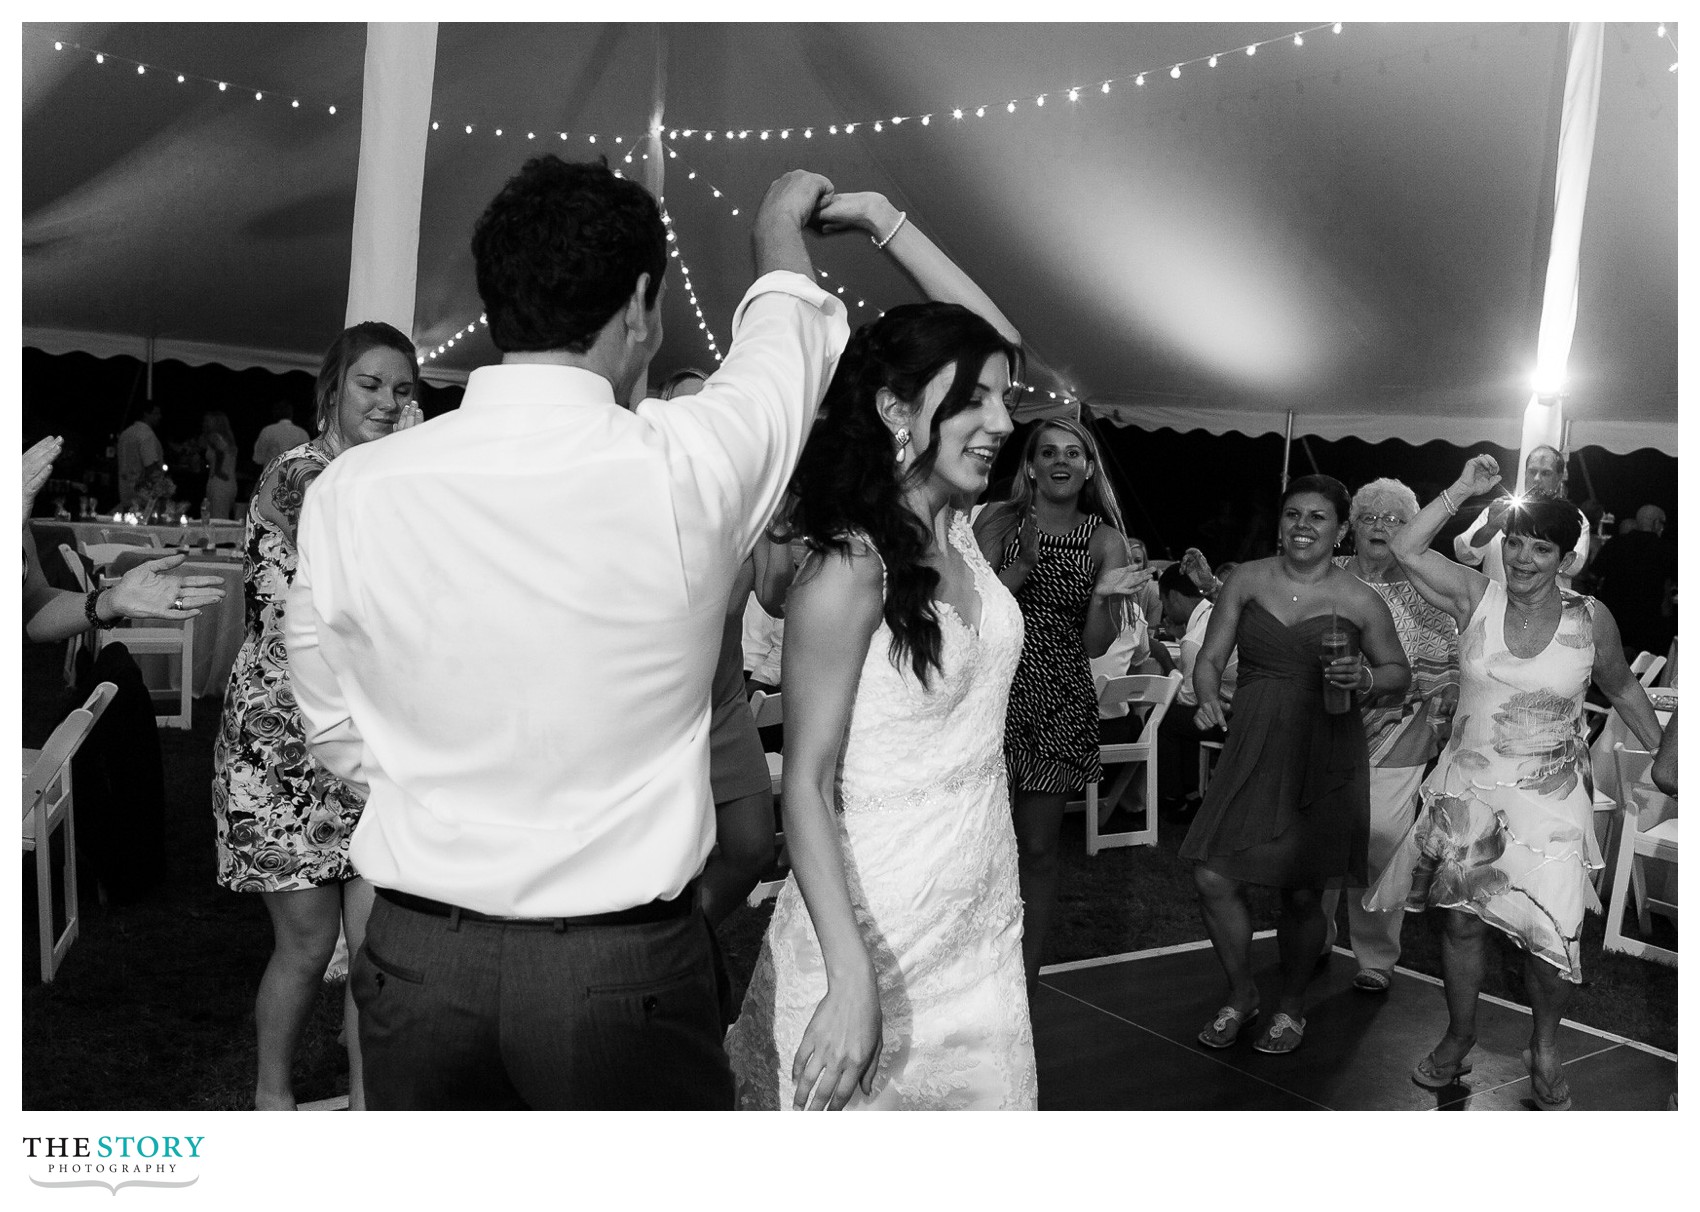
pixel 1353 230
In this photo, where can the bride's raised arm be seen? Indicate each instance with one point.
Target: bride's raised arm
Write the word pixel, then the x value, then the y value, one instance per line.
pixel 939 278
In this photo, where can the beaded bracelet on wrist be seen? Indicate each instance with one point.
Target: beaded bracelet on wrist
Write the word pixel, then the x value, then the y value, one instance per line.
pixel 89 604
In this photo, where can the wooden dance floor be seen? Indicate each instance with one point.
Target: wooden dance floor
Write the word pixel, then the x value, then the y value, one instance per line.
pixel 1120 1033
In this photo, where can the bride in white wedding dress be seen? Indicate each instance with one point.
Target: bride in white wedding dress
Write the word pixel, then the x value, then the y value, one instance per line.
pixel 891 974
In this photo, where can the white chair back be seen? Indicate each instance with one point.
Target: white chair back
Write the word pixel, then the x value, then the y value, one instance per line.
pixel 769 709
pixel 1151 695
pixel 1649 831
pixel 47 806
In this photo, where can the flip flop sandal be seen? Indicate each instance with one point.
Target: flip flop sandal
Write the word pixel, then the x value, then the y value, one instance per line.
pixel 1283 1035
pixel 1433 1075
pixel 1548 1101
pixel 1225 1029
pixel 1372 980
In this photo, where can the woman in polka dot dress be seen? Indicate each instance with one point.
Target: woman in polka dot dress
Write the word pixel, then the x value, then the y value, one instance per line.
pixel 1058 544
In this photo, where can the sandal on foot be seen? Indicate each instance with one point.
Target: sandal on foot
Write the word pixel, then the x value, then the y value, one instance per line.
pixel 1226 1027
pixel 1373 980
pixel 1557 1098
pixel 1283 1034
pixel 1433 1075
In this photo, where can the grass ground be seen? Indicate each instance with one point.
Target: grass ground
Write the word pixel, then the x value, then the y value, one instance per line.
pixel 153 1007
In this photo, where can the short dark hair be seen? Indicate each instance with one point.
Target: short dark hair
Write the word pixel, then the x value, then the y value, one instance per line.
pixel 1323 486
pixel 559 250
pixel 1556 522
pixel 349 347
pixel 1543 448
pixel 1174 580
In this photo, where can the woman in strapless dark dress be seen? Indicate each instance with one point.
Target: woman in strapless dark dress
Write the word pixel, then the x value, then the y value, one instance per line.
pixel 1288 806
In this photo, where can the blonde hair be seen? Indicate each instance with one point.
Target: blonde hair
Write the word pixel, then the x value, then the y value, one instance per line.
pixel 1097 496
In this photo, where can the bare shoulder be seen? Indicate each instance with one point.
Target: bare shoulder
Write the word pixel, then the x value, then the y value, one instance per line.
pixel 1107 539
pixel 843 584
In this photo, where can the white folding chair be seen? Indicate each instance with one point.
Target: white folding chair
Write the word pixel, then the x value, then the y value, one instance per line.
pixel 1150 694
pixel 1649 675
pixel 1206 764
pixel 47 806
pixel 1642 802
pixel 89 640
pixel 769 709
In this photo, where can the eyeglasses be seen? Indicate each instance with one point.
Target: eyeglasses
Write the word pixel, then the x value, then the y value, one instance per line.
pixel 1390 520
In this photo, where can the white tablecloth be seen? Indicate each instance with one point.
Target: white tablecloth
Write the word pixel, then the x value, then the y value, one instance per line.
pixel 109 531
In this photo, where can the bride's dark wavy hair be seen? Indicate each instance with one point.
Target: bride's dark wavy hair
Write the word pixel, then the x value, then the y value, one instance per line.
pixel 848 482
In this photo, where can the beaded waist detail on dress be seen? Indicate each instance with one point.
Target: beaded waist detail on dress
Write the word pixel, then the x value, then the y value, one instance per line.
pixel 988 771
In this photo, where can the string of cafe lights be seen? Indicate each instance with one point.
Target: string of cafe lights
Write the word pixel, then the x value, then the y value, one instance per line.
pixel 958 113
pixel 1073 93
pixel 844 289
pixel 690 287
pixel 1663 33
pixel 102 58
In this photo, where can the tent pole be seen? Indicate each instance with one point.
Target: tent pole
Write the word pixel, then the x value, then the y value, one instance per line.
pixel 150 369
pixel 1543 418
pixel 1287 451
pixel 395 119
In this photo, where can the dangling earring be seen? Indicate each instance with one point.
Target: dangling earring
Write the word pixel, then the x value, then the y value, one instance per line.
pixel 902 445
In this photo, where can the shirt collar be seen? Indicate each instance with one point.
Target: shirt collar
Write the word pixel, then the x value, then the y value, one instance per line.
pixel 1197 610
pixel 532 383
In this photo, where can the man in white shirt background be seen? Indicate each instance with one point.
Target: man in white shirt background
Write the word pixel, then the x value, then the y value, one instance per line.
pixel 1187 611
pixel 281 435
pixel 138 450
pixel 1482 545
pixel 504 626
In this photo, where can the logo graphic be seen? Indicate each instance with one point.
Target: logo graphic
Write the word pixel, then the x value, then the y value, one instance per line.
pixel 114 1162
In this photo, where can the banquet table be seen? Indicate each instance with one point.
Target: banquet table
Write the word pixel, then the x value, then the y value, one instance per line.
pixel 219 628
pixel 108 530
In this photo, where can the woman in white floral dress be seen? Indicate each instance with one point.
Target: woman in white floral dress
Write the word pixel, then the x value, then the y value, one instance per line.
pixel 1505 837
pixel 284 821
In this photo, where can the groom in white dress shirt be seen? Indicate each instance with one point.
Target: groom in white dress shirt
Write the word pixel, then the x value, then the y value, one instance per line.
pixel 503 627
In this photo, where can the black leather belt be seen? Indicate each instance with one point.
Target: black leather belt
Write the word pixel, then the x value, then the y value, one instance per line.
pixel 655 911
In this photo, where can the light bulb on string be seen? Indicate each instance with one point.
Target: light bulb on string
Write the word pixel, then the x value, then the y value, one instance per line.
pixel 926 119
pixel 180 77
pixel 1175 72
pixel 1105 87
pixel 1212 60
pixel 1039 100
pixel 1298 39
pixel 1661 30
pixel 956 113
pixel 1252 49
pixel 333 109
pixel 141 70
pixel 101 59
pixel 1074 94
pixel 981 112
pixel 1338 26
pixel 1139 80
pixel 1010 108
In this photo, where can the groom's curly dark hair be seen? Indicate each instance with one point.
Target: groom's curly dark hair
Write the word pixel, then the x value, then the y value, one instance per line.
pixel 559 250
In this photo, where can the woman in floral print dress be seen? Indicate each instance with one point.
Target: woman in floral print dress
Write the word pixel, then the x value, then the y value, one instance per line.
pixel 283 821
pixel 1505 836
